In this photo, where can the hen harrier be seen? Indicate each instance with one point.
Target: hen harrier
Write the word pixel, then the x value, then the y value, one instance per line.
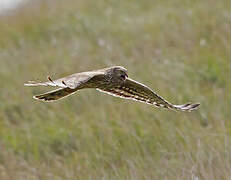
pixel 114 81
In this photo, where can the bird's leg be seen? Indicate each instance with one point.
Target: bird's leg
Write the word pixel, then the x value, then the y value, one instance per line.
pixel 49 78
pixel 64 83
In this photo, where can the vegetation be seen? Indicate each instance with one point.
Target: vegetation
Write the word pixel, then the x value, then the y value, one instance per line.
pixel 179 48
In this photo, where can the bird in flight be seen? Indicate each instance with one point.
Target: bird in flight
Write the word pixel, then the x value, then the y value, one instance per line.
pixel 114 81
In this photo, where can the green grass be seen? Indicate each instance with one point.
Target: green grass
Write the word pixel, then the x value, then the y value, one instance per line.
pixel 179 48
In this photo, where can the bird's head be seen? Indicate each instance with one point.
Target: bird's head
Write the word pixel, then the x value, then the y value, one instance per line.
pixel 118 74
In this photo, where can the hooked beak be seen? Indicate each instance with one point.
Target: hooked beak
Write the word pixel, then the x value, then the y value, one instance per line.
pixel 124 77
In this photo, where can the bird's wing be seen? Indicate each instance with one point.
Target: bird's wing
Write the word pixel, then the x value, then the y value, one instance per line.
pixel 136 91
pixel 69 85
pixel 72 81
pixel 55 94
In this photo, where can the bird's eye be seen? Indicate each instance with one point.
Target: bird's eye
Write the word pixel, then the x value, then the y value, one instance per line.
pixel 123 76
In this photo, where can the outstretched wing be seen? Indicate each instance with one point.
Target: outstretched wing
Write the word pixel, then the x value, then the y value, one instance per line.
pixel 55 94
pixel 134 90
pixel 73 81
pixel 69 85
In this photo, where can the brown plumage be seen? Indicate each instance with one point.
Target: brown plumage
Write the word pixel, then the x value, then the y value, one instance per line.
pixel 114 81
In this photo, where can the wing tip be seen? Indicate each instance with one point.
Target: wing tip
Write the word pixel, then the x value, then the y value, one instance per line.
pixel 187 107
pixel 38 97
pixel 43 98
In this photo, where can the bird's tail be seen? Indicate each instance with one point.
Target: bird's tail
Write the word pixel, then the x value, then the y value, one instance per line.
pixel 34 83
pixel 55 95
pixel 50 82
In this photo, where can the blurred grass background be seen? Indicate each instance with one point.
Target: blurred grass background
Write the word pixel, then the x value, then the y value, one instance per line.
pixel 179 48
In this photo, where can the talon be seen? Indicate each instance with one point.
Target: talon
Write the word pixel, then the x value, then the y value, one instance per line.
pixel 49 78
pixel 64 83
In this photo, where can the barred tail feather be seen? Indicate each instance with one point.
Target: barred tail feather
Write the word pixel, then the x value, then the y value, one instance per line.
pixel 55 83
pixel 55 95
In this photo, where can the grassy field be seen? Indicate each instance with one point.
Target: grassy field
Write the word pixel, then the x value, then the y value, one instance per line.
pixel 182 49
